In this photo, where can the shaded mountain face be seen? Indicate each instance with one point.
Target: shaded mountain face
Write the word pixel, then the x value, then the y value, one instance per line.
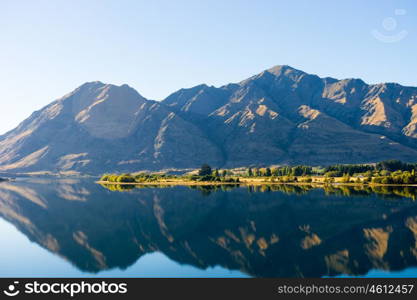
pixel 280 116
pixel 289 232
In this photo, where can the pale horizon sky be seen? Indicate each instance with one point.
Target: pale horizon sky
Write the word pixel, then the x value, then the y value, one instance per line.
pixel 49 48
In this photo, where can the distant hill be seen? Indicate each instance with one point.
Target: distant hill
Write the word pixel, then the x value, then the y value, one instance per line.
pixel 280 116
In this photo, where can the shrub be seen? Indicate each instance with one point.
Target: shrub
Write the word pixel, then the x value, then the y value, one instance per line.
pixel 125 178
pixel 105 177
pixel 345 178
pixel 377 180
pixel 333 174
pixel 307 179
pixel 329 180
pixel 206 178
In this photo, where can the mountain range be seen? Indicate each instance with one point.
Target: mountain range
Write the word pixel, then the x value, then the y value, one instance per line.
pixel 280 116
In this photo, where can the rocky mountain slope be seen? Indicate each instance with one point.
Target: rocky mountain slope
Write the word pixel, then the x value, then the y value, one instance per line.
pixel 280 116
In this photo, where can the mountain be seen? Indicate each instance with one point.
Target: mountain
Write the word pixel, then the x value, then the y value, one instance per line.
pixel 101 127
pixel 280 116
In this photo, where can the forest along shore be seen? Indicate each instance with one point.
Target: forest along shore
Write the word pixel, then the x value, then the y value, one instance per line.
pixel 386 173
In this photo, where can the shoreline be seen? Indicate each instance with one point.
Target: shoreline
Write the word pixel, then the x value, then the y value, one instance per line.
pixel 248 183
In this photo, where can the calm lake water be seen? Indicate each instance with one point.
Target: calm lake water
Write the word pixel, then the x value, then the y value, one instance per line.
pixel 76 228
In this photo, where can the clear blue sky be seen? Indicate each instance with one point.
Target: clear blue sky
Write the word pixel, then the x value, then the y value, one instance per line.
pixel 48 48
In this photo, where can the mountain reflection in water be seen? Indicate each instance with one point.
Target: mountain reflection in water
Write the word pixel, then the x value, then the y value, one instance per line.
pixel 262 231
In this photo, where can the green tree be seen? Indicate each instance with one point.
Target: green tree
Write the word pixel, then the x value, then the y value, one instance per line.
pixel 250 172
pixel 205 170
pixel 268 172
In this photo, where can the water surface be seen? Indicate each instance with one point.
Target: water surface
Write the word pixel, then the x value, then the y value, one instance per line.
pixel 74 228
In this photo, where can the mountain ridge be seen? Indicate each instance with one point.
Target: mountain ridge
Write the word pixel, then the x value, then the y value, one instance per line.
pixel 279 116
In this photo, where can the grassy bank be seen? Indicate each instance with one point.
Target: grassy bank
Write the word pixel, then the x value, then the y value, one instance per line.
pixel 312 180
pixel 393 172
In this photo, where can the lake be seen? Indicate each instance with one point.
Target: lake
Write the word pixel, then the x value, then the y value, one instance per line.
pixel 76 228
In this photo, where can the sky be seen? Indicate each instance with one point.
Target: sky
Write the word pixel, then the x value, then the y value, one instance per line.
pixel 49 48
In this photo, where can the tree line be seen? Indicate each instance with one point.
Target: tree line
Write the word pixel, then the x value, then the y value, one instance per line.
pixel 385 172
